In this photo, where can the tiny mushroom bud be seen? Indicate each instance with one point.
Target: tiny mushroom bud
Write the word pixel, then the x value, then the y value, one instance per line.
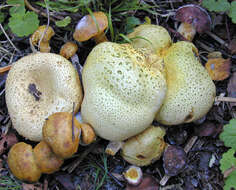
pixel 68 49
pixel 88 28
pixel 193 19
pixel 133 175
pixel 43 35
pixel 88 134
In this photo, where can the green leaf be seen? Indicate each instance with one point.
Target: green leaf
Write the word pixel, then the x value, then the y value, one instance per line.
pixel 64 22
pixel 131 22
pixel 230 182
pixel 229 134
pixel 24 26
pixel 228 160
pixel 216 5
pixel 232 11
pixel 2 17
pixel 18 8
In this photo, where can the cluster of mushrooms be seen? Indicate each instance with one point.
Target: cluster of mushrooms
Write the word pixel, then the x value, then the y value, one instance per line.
pixel 125 88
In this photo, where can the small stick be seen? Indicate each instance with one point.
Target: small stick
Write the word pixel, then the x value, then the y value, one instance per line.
pixel 4 32
pixel 187 148
pixel 4 69
pixel 73 127
pixel 70 168
pixel 218 39
pixel 225 99
pixel 29 6
pixel 108 173
pixel 229 171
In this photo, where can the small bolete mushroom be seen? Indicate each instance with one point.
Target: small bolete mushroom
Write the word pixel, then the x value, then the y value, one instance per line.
pixel 190 92
pixel 47 161
pixel 22 163
pixel 193 19
pixel 61 134
pixel 38 85
pixel 151 36
pixel 88 28
pixel 123 91
pixel 144 148
pixel 68 49
pixel 46 34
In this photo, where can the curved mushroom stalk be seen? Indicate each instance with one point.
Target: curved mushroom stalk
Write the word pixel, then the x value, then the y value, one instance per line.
pixel 144 148
pixel 123 91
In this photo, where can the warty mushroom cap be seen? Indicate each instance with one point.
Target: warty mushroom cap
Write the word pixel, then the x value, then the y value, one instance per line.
pixel 87 28
pixel 37 86
pixel 190 90
pixel 195 15
pixel 152 36
pixel 123 91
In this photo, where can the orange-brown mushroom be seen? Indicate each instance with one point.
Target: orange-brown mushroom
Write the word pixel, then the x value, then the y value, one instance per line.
pixel 61 134
pixel 91 27
pixel 88 134
pixel 46 159
pixel 68 49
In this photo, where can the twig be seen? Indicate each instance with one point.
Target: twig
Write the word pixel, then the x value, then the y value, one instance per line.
pixel 46 29
pixel 29 6
pixel 4 32
pixel 225 99
pixel 70 168
pixel 229 171
pixel 187 148
pixel 4 69
pixel 218 39
pixel 73 127
pixel 108 173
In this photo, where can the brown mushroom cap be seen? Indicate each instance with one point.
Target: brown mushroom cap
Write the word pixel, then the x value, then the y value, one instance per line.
pixel 37 86
pixel 58 134
pixel 87 28
pixel 195 15
pixel 68 49
pixel 22 163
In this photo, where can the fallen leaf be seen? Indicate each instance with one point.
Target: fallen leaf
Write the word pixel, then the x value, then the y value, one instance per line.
pixel 231 89
pixel 37 186
pixel 218 68
pixel 207 129
pixel 7 141
pixel 66 181
pixel 148 183
pixel 174 160
pixel 232 46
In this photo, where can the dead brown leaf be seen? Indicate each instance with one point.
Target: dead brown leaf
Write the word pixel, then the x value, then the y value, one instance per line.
pixel 218 68
pixel 232 88
pixel 7 141
pixel 37 186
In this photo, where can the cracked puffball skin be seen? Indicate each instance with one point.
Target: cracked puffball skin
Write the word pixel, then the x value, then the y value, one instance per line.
pixel 123 90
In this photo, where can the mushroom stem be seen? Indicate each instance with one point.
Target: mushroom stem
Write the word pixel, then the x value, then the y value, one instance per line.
pixel 188 31
pixel 113 147
pixel 225 99
pixel 4 69
pixel 100 38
